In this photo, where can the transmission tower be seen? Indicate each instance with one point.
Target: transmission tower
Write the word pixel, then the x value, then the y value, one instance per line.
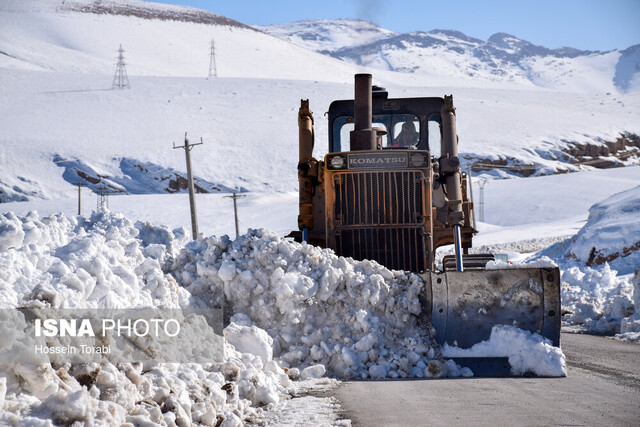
pixel 103 198
pixel 482 182
pixel 120 79
pixel 213 70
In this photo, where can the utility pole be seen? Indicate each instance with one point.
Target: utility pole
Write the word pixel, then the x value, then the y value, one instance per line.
pixel 213 71
pixel 482 182
pixel 192 197
pixel 120 79
pixel 235 198
pixel 79 197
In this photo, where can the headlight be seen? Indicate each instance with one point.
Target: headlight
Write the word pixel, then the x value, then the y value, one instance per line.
pixel 337 162
pixel 418 160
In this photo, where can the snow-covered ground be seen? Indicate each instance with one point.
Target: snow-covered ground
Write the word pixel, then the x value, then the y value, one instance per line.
pixel 57 104
pixel 300 313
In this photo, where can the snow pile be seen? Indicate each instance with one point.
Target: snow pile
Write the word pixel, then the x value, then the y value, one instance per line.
pixel 611 234
pixel 296 307
pixel 542 262
pixel 73 262
pixel 169 394
pixel 596 299
pixel 597 265
pixel 527 352
pixel 630 327
pixel 106 262
pixel 356 319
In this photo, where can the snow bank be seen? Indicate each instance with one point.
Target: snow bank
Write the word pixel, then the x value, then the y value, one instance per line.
pixel 106 261
pixel 596 299
pixel 527 352
pixel 543 262
pixel 356 319
pixel 630 327
pixel 597 265
pixel 75 262
pixel 611 234
pixel 300 312
pixel 296 312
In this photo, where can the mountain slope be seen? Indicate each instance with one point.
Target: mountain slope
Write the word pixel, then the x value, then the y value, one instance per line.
pixel 324 35
pixel 63 124
pixel 503 58
pixel 82 37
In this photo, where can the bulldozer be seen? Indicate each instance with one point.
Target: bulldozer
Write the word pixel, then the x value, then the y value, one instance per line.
pixel 391 189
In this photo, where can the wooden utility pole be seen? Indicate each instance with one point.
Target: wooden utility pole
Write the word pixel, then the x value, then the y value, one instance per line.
pixel 192 197
pixel 235 197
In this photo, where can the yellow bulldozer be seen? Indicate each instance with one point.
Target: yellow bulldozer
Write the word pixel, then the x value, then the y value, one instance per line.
pixel 391 189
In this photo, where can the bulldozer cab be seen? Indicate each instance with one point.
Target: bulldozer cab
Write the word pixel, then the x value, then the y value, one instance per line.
pixel 412 123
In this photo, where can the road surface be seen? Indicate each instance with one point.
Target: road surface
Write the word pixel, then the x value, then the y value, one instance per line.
pixel 602 387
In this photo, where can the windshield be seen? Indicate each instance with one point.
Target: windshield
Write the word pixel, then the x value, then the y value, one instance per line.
pixel 400 131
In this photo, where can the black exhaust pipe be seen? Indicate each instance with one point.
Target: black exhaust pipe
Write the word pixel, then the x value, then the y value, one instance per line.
pixel 363 137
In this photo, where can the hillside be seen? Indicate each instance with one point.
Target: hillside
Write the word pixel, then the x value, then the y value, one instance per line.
pixel 83 36
pixel 63 124
pixel 501 58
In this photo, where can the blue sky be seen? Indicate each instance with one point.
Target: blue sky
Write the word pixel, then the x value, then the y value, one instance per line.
pixel 583 24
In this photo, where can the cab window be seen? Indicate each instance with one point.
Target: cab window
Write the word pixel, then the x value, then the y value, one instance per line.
pixel 406 133
pixel 400 130
pixel 434 132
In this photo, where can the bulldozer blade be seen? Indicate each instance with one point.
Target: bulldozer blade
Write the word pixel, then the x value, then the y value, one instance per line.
pixel 465 306
pixel 486 367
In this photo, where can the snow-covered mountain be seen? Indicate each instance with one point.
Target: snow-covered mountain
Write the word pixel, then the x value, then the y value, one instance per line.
pixel 503 57
pixel 324 35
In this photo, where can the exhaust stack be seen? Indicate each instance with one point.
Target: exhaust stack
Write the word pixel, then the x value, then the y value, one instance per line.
pixel 363 137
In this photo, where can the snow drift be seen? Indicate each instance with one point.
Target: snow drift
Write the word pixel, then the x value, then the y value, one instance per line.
pixel 298 312
pixel 356 318
pixel 611 234
pixel 297 307
pixel 598 292
pixel 527 352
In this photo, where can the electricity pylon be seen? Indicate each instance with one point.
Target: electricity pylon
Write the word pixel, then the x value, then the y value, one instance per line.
pixel 120 79
pixel 213 71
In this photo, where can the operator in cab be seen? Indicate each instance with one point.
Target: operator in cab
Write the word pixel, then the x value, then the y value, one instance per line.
pixel 407 136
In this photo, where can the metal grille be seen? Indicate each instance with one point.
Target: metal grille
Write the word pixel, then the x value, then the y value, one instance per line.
pixel 379 216
pixel 379 198
pixel 395 248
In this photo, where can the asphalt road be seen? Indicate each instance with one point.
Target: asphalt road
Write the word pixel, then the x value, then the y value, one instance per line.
pixel 602 387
